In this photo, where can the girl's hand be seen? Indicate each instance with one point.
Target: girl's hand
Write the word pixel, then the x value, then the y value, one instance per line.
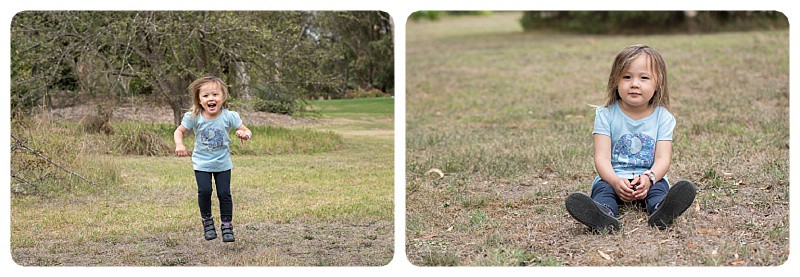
pixel 242 134
pixel 623 189
pixel 180 150
pixel 643 188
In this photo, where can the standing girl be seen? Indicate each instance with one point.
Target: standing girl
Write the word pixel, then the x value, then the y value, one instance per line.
pixel 210 120
pixel 633 146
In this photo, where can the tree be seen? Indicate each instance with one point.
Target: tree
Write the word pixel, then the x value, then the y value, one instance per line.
pixel 648 22
pixel 365 40
pixel 274 51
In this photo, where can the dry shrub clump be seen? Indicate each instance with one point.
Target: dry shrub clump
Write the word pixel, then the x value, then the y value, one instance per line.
pixel 100 122
pixel 136 139
pixel 48 157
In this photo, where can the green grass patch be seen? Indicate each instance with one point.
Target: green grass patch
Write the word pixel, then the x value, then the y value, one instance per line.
pixel 440 259
pixel 303 188
pixel 355 108
pixel 278 141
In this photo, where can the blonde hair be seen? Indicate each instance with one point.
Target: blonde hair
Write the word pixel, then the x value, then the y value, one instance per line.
pixel 657 66
pixel 194 91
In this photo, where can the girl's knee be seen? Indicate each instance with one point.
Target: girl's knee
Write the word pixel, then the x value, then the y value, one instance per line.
pixel 602 187
pixel 204 192
pixel 224 195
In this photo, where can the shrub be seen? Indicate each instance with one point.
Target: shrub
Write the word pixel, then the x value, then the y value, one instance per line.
pixel 275 99
pixel 36 174
pixel 100 122
pixel 430 15
pixel 647 22
pixel 361 93
pixel 138 139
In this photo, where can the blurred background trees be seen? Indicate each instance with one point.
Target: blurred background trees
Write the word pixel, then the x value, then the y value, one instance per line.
pixel 634 22
pixel 272 61
pixel 648 22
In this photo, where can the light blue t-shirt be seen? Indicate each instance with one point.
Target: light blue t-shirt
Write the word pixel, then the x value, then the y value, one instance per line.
pixel 211 153
pixel 633 142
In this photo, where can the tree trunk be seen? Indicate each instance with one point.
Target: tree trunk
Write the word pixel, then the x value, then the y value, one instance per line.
pixel 243 83
pixel 175 96
pixel 177 113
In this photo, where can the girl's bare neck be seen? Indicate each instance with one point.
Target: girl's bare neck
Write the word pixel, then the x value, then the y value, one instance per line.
pixel 208 115
pixel 637 113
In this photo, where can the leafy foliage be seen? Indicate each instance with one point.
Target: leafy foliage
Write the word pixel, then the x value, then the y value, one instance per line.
pixel 303 54
pixel 645 22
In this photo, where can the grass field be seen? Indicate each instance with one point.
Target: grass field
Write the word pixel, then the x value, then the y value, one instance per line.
pixel 299 208
pixel 505 116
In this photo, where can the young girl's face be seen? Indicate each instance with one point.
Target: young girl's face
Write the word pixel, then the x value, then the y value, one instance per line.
pixel 211 98
pixel 637 85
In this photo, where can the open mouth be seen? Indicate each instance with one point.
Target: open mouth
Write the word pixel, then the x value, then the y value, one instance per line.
pixel 211 105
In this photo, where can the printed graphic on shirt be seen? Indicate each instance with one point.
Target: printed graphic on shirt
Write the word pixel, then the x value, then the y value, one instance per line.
pixel 635 150
pixel 212 138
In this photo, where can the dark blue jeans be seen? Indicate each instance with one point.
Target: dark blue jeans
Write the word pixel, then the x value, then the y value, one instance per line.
pixel 204 191
pixel 604 193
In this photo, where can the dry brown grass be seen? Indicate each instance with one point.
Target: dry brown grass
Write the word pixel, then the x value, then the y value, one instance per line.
pixel 504 115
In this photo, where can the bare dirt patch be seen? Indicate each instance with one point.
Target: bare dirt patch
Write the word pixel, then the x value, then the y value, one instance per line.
pixel 299 243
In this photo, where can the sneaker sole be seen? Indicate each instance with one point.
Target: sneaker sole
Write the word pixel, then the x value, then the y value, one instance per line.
pixel 583 208
pixel 678 199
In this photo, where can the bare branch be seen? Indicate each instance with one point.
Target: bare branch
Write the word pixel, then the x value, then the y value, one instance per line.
pixel 32 151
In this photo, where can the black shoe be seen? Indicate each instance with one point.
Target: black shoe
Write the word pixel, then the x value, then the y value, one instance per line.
pixel 208 229
pixel 591 213
pixel 227 232
pixel 679 198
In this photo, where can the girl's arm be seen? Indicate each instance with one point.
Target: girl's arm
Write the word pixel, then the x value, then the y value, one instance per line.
pixel 602 163
pixel 659 169
pixel 243 133
pixel 662 159
pixel 180 149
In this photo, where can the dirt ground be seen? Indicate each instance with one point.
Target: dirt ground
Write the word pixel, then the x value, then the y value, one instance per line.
pixel 299 243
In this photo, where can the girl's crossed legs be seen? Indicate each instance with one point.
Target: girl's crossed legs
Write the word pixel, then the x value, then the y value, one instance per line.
pixel 604 193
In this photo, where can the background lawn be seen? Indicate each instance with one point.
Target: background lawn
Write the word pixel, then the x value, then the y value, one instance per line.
pixel 291 208
pixel 506 117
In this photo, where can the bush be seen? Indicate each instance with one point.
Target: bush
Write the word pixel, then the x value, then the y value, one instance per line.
pixel 275 99
pixel 139 139
pixel 430 15
pixel 648 22
pixel 361 93
pixel 33 174
pixel 436 15
pixel 100 122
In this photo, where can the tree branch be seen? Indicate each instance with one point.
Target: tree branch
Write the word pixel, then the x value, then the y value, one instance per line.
pixel 26 148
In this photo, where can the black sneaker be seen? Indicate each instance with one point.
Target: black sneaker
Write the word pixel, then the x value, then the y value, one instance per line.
pixel 227 232
pixel 679 198
pixel 208 229
pixel 591 213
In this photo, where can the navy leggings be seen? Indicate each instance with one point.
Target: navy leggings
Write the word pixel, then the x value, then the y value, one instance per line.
pixel 604 193
pixel 204 191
